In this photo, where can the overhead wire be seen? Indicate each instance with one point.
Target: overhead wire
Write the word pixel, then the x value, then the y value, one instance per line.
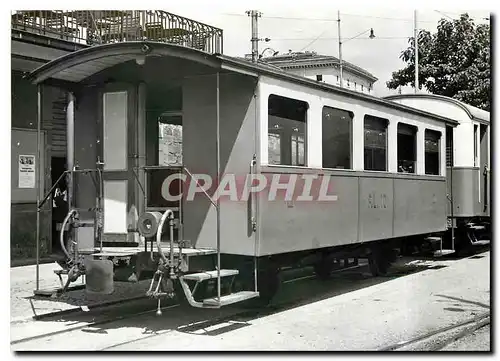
pixel 359 15
pixel 332 20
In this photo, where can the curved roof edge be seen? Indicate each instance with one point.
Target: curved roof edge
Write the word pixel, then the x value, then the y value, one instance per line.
pixel 47 70
pixel 218 62
pixel 472 112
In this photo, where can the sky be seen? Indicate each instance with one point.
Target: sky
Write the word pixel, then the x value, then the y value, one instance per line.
pixel 295 26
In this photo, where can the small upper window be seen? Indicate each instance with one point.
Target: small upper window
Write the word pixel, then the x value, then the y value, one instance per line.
pixel 407 148
pixel 432 150
pixel 170 139
pixel 375 143
pixel 319 77
pixel 287 122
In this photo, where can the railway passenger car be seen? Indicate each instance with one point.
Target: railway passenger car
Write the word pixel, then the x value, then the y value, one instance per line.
pixel 320 172
pixel 467 165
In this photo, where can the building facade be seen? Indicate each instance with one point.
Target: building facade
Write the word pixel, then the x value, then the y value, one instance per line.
pixel 324 68
pixel 37 37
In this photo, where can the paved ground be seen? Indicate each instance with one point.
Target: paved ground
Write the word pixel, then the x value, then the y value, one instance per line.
pixel 351 311
pixel 477 341
pixel 24 305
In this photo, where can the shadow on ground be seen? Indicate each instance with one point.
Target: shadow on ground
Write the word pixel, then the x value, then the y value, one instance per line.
pixel 300 288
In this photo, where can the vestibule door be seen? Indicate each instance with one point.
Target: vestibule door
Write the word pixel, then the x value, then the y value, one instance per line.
pixel 117 143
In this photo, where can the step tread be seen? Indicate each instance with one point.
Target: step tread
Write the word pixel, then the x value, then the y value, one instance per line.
pixel 481 242
pixel 230 299
pixel 477 227
pixel 203 276
pixel 443 252
pixel 433 239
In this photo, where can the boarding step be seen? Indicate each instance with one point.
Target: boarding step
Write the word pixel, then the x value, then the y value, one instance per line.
pixel 482 242
pixel 230 299
pixel 443 252
pixel 433 239
pixel 203 276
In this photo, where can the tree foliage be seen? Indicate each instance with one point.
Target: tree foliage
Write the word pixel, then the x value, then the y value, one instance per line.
pixel 454 62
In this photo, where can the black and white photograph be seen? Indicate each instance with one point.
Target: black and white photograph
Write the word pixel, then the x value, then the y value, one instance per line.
pixel 251 176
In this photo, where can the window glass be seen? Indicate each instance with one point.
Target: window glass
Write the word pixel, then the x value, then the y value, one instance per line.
pixel 337 138
pixel 169 140
pixel 287 140
pixel 432 148
pixel 407 148
pixel 375 143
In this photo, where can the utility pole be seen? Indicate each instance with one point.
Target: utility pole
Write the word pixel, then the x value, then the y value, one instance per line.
pixel 415 29
pixel 340 51
pixel 255 33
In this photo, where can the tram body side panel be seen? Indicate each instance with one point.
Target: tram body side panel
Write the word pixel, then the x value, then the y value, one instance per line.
pixel 289 226
pixel 199 156
pixel 237 146
pixel 468 194
pixel 419 206
pixel 368 207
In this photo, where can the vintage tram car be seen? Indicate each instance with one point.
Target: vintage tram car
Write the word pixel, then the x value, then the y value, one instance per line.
pixel 375 170
pixel 467 167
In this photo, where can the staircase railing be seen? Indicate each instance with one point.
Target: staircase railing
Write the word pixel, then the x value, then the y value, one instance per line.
pixel 91 27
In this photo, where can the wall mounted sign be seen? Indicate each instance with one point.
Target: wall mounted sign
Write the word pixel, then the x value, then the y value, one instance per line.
pixel 26 171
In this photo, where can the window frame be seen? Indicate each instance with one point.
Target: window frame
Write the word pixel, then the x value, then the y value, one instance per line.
pixel 415 146
pixel 168 113
pixel 476 145
pixel 386 149
pixel 282 133
pixel 450 161
pixel 351 138
pixel 439 140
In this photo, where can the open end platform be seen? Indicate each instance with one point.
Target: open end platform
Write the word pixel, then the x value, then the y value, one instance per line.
pixel 49 292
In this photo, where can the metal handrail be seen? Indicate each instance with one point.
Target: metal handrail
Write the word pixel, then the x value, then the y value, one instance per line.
pixel 49 192
pixel 170 214
pixel 204 192
pixel 61 234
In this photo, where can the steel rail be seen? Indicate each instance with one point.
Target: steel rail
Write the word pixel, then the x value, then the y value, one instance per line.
pixel 477 319
pixel 245 313
pixel 91 324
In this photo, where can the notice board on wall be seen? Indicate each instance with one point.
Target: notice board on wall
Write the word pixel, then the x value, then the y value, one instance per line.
pixel 24 165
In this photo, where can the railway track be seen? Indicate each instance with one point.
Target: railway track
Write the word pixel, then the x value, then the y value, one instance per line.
pixel 146 309
pixel 465 328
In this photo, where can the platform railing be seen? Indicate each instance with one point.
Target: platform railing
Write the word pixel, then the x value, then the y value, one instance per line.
pixel 93 27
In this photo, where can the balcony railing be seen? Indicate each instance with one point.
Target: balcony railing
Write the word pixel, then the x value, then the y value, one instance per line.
pixel 92 27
